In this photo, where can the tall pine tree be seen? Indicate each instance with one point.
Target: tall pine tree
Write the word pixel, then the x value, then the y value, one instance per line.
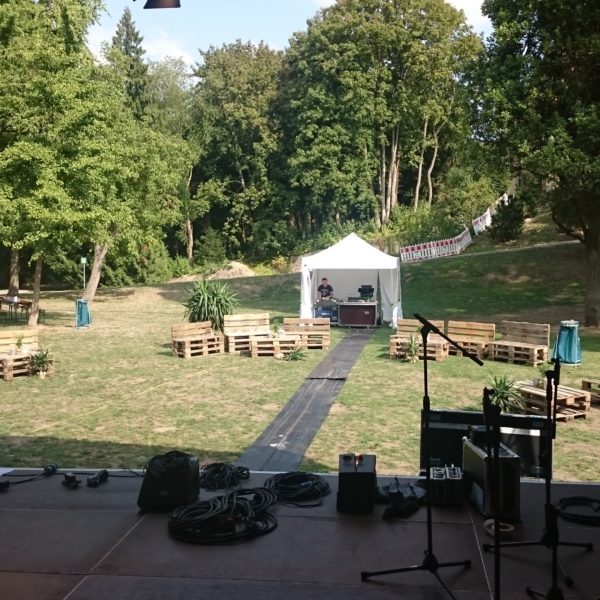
pixel 127 56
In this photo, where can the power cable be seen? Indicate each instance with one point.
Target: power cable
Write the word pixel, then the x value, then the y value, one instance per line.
pixel 218 476
pixel 580 517
pixel 296 488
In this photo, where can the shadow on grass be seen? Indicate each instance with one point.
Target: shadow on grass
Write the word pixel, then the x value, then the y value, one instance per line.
pixel 35 452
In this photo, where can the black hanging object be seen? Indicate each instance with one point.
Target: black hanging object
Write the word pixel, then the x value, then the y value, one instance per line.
pixel 162 4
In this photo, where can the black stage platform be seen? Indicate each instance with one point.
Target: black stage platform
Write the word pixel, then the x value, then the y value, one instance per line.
pixel 92 544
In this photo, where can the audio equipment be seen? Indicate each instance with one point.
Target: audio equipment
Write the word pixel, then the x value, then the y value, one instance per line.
pixel 357 483
pixel 170 480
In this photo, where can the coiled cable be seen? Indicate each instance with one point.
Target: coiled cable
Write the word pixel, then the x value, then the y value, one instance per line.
pixel 298 489
pixel 579 517
pixel 218 476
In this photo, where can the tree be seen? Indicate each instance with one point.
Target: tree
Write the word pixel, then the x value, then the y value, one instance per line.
pixel 127 56
pixel 540 106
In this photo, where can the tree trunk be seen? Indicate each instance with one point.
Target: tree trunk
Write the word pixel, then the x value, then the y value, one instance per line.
pixel 13 283
pixel 100 251
pixel 392 182
pixel 592 288
pixel 382 180
pixel 189 239
pixel 420 169
pixel 34 311
pixel 430 169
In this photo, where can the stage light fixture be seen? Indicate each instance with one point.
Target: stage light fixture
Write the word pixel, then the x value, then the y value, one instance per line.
pixel 162 4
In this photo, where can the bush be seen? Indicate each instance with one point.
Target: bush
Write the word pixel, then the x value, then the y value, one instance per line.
pixel 209 301
pixel 507 222
pixel 210 250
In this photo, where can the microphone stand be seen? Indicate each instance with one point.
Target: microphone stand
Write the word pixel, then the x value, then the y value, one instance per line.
pixel 430 562
pixel 550 536
pixel 492 430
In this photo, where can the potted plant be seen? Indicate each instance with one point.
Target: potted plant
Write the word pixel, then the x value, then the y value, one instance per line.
pixel 209 301
pixel 41 363
pixel 412 348
pixel 504 396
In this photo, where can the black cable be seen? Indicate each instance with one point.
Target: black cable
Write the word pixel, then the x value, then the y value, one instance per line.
pixel 298 489
pixel 225 519
pixel 577 517
pixel 218 476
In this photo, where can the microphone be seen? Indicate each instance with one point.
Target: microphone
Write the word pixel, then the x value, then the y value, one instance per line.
pixel 430 326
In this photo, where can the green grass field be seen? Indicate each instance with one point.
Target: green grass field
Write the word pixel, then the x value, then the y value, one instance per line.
pixel 118 396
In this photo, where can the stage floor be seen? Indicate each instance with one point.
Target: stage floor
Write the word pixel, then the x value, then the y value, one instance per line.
pixel 92 544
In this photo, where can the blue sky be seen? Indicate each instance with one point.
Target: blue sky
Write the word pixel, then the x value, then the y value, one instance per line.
pixel 204 23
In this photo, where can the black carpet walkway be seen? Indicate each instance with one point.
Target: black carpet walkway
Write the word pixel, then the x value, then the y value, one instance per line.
pixel 283 443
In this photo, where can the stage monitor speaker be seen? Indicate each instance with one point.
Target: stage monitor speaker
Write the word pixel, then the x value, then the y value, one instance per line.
pixel 525 435
pixel 170 480
pixel 357 483
pixel 476 474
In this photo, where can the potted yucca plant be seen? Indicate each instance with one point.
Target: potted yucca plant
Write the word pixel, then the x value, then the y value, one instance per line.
pixel 209 301
pixel 41 363
pixel 504 396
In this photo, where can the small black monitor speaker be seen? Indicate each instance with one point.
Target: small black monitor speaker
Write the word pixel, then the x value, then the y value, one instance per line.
pixel 525 435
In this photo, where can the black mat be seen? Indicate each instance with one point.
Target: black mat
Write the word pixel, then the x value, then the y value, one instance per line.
pixel 283 443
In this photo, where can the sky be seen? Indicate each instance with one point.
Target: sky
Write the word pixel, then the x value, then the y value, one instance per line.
pixel 199 24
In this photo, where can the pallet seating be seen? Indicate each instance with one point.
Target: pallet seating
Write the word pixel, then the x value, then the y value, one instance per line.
pixel 274 345
pixel 16 348
pixel 313 333
pixel 571 403
pixel 238 330
pixel 593 387
pixel 472 336
pixel 195 339
pixel 521 343
pixel 437 347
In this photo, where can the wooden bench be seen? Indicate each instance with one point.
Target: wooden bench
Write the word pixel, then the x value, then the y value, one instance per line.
pixel 238 330
pixel 521 343
pixel 274 345
pixel 16 348
pixel 313 333
pixel 437 347
pixel 593 387
pixel 472 336
pixel 195 339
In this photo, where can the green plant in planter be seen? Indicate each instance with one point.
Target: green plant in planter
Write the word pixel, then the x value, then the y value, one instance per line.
pixel 298 353
pixel 505 397
pixel 541 378
pixel 209 301
pixel 41 362
pixel 412 349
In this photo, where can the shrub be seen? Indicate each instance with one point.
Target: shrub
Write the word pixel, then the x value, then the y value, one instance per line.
pixel 210 250
pixel 507 222
pixel 209 301
pixel 505 397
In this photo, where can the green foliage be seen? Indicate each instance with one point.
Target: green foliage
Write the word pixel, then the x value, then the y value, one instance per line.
pixel 41 361
pixel 297 353
pixel 507 222
pixel 412 349
pixel 209 301
pixel 210 249
pixel 505 397
pixel 180 266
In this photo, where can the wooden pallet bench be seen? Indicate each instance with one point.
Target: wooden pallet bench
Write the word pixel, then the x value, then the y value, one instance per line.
pixel 521 343
pixel 14 365
pixel 276 346
pixel 195 339
pixel 474 337
pixel 313 333
pixel 593 387
pixel 239 329
pixel 23 339
pixel 437 347
pixel 571 402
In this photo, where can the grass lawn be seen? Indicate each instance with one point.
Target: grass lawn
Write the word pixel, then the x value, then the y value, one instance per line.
pixel 118 396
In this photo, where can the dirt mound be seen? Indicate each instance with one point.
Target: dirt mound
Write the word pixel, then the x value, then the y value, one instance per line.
pixel 232 270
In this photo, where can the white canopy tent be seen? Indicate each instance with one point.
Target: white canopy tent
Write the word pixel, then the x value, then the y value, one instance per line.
pixel 349 264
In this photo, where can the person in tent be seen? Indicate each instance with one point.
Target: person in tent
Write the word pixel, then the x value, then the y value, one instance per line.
pixel 324 291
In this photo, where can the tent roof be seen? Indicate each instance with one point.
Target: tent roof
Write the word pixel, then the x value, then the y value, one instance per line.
pixel 350 253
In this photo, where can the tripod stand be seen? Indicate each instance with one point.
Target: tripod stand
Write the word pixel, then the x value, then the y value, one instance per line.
pixel 550 536
pixel 430 562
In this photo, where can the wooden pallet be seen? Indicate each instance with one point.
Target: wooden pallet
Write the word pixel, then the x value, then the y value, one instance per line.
pixel 274 346
pixel 239 329
pixel 518 353
pixel 315 334
pixel 195 339
pixel 563 413
pixel 472 336
pixel 437 348
pixel 14 365
pixel 187 348
pixel 593 387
